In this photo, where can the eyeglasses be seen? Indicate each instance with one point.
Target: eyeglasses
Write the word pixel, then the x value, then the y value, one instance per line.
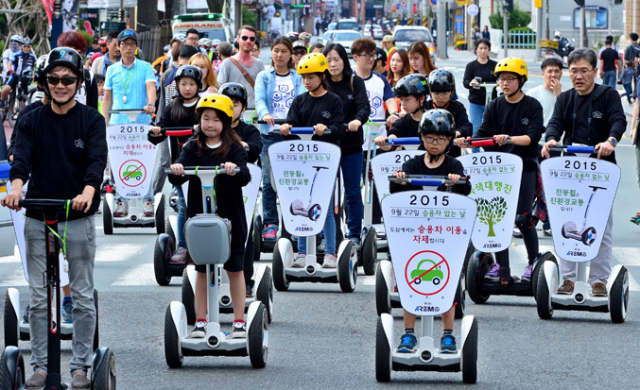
pixel 367 56
pixel 26 45
pixel 299 52
pixel 581 71
pixel 103 45
pixel 128 44
pixel 255 50
pixel 507 79
pixel 66 81
pixel 438 141
pixel 244 38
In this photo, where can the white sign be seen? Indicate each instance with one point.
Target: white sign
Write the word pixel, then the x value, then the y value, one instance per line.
pixel 428 233
pixel 371 131
pixel 495 179
pixel 111 3
pixel 472 10
pixel 579 193
pixel 132 158
pixel 304 173
pixel 250 194
pixel 386 164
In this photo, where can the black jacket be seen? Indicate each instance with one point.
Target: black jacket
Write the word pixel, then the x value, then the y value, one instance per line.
pixel 355 102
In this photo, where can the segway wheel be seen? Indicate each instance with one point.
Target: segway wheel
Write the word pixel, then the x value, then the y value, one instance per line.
pixel 589 236
pixel 537 268
pixel 188 298
pixel 257 237
pixel 477 267
pixel 347 268
pixel 369 252
pixel 280 281
pixel 459 300
pixel 11 324
pixel 169 230
pixel 383 354
pixel 96 333
pixel 543 297
pixel 161 257
pixel 107 218
pixel 12 374
pixel 264 293
pixel 159 216
pixel 619 297
pixel 171 342
pixel 314 212
pixel 259 338
pixel 104 376
pixel 470 355
pixel 383 299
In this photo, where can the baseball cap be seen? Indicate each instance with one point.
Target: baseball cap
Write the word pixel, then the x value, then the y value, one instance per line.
pixel 126 34
pixel 299 44
pixel 388 38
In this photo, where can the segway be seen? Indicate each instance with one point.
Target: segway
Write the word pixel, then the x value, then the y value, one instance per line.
pixel 12 367
pixel 405 214
pixel 497 178
pixel 587 235
pixel 209 241
pixel 293 163
pixel 568 179
pixel 311 210
pixel 132 160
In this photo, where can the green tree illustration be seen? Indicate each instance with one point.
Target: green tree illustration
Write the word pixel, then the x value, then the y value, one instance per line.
pixel 491 212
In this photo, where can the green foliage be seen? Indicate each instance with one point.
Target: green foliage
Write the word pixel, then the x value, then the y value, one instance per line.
pixel 87 37
pixel 249 17
pixel 491 212
pixel 517 18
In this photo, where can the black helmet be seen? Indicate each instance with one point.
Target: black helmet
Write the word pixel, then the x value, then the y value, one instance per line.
pixel 65 56
pixel 190 71
pixel 38 72
pixel 381 55
pixel 437 121
pixel 441 80
pixel 234 91
pixel 413 84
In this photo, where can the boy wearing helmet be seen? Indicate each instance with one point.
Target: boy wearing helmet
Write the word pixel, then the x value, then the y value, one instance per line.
pixel 517 117
pixel 437 130
pixel 62 149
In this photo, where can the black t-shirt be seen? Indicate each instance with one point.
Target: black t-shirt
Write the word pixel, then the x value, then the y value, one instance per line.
pixel 167 120
pixel 251 135
pixel 308 111
pixel 485 72
pixel 355 105
pixel 416 166
pixel 609 57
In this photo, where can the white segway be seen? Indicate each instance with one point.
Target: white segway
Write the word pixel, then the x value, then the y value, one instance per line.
pixel 209 241
pixel 132 160
pixel 568 181
pixel 427 269
pixel 295 174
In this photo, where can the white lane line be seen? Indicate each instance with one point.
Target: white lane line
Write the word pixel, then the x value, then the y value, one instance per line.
pixel 120 252
pixel 141 275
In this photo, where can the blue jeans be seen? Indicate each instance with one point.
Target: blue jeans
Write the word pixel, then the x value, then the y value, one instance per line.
pixel 627 92
pixel 269 207
pixel 182 218
pixel 476 111
pixel 329 230
pixel 609 78
pixel 351 166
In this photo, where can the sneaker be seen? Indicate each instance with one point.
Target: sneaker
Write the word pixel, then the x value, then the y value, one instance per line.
pixel 122 209
pixel 36 381
pixel 356 242
pixel 180 255
pixel 249 291
pixel 448 344
pixel 527 273
pixel 200 330
pixel 408 343
pixel 147 208
pixel 546 232
pixel 517 233
pixel 79 380
pixel 270 232
pixel 566 288
pixel 598 290
pixel 494 272
pixel 67 311
pixel 26 314
pixel 239 330
pixel 330 261
pixel 299 261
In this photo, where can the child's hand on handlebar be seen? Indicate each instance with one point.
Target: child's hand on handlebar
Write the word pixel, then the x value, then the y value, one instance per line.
pixel 461 142
pixel 380 140
pixel 229 167
pixel 269 119
pixel 178 169
pixel 155 131
pixel 500 138
pixel 354 125
pixel 285 129
pixel 400 175
pixel 320 128
pixel 454 178
pixel 545 149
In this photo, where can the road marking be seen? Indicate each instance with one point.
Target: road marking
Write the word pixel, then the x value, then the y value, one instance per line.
pixel 367 280
pixel 141 275
pixel 120 252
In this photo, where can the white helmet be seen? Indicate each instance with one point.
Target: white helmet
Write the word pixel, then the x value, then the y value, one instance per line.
pixel 557 34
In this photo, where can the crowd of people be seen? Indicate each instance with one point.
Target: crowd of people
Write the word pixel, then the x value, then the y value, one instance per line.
pixel 216 88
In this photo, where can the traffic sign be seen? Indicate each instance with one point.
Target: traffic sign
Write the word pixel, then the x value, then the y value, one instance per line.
pixel 427 273
pixel 132 173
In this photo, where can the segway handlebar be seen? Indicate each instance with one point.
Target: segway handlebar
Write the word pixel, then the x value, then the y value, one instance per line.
pixel 127 111
pixel 275 121
pixel 176 131
pixel 427 181
pixel 574 148
pixel 302 130
pixel 193 171
pixel 480 142
pixel 44 204
pixel 404 141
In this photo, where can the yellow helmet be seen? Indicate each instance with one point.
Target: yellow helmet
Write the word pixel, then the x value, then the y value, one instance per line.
pixel 313 63
pixel 513 65
pixel 217 102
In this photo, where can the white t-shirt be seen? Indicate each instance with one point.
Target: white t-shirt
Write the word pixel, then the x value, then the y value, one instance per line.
pixel 547 99
pixel 6 57
pixel 378 91
pixel 283 94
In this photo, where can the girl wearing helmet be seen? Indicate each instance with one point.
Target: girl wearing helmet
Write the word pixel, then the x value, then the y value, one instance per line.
pixel 181 112
pixel 436 129
pixel 517 117
pixel 322 110
pixel 216 144
pixel 209 80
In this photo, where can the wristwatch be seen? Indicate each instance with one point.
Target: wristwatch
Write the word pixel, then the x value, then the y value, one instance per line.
pixel 613 141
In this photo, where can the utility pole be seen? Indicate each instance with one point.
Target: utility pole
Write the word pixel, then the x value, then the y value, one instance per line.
pixel 540 28
pixel 442 30
pixel 56 23
pixel 584 41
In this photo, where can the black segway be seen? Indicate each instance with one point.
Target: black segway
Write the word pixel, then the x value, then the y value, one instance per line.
pixel 12 368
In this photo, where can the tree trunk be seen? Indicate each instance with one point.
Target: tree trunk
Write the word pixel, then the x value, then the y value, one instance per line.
pixel 168 9
pixel 147 15
pixel 215 5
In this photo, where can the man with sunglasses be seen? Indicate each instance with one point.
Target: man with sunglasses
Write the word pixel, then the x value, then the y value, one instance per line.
pixel 243 68
pixel 299 51
pixel 14 47
pixel 21 70
pixel 62 151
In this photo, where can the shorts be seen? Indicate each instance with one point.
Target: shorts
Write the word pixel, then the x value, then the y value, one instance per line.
pixel 234 264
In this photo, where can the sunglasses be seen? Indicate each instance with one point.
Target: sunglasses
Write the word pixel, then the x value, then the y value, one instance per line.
pixel 26 45
pixel 244 38
pixel 65 80
pixel 299 52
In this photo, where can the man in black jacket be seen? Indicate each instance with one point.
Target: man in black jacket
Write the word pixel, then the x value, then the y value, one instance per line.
pixel 62 150
pixel 588 114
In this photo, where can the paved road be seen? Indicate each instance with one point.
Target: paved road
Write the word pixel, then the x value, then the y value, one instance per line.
pixel 321 338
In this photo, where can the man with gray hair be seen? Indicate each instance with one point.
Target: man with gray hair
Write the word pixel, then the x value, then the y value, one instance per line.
pixel 588 114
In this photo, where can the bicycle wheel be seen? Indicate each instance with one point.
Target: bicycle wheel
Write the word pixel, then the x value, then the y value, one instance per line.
pixel 10 109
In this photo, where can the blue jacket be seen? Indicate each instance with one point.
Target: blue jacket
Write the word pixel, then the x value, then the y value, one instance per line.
pixel 264 87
